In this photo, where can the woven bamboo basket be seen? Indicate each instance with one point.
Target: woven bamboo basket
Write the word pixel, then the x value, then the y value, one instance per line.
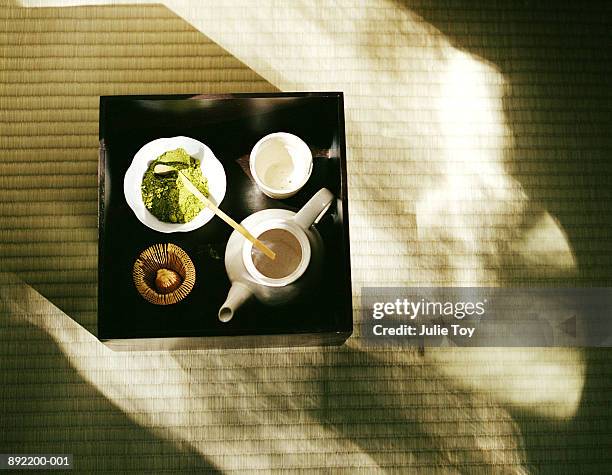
pixel 163 256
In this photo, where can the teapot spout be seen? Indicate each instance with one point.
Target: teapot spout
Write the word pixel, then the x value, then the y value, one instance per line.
pixel 237 295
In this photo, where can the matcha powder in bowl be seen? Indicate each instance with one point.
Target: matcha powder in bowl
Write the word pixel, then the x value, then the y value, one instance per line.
pixel 165 196
pixel 160 200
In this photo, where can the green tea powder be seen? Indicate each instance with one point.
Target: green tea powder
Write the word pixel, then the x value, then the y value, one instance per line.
pixel 165 196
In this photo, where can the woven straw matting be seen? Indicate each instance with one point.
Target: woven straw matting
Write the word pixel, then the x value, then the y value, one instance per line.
pixel 449 411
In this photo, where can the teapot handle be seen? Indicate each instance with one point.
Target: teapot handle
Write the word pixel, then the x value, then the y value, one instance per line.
pixel 314 209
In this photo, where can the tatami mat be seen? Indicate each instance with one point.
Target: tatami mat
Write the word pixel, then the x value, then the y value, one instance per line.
pixel 352 409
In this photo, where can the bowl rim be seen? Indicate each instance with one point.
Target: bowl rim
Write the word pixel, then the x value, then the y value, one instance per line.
pixel 285 136
pixel 208 160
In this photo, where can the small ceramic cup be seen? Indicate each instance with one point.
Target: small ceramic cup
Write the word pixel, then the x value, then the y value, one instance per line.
pixel 281 164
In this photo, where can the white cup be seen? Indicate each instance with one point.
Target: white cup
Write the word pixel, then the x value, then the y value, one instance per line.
pixel 281 164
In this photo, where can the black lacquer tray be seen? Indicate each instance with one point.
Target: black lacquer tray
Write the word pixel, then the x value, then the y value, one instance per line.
pixel 230 125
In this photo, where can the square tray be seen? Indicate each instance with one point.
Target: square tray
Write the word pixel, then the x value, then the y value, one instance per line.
pixel 230 125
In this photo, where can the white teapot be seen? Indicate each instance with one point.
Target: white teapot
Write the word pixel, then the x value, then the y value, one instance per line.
pixel 298 262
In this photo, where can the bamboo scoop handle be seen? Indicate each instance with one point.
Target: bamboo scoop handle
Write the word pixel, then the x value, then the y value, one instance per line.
pixel 238 227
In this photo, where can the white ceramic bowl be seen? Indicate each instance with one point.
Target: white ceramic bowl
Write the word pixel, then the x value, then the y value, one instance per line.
pixel 211 169
pixel 281 164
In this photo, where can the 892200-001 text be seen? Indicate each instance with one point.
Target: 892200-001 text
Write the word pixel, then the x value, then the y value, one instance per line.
pixel 35 461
